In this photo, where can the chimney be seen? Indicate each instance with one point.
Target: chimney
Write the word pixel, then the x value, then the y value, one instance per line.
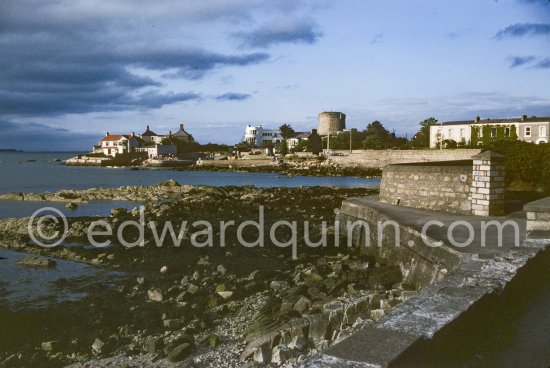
pixel 181 126
pixel 133 134
pixel 478 119
pixel 523 117
pixel 170 133
pixel 106 134
pixel 147 127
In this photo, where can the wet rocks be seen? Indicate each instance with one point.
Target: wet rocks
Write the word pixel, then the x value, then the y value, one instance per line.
pixel 155 295
pixel 179 352
pixel 34 261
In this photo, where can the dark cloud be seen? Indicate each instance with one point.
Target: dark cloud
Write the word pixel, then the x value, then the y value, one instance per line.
pixel 40 137
pixel 232 96
pixel 282 30
pixel 72 58
pixel 516 61
pixel 543 64
pixel 524 29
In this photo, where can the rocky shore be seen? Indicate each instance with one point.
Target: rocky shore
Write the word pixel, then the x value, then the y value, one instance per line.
pixel 210 306
pixel 291 168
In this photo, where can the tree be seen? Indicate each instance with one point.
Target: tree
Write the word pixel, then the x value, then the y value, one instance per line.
pixel 373 142
pixel 287 131
pixel 282 147
pixel 422 138
pixel 243 147
pixel 303 146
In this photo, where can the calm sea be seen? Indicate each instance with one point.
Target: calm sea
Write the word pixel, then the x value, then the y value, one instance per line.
pixel 38 172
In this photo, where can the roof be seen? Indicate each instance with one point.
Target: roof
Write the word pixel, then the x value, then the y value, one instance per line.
pixel 302 135
pixel 113 137
pixel 181 133
pixel 148 133
pixel 532 119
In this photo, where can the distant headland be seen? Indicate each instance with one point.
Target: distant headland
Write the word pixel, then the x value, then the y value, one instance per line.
pixel 10 150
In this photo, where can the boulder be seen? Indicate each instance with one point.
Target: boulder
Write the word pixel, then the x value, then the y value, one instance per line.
pixel 34 261
pixel 281 354
pixel 302 305
pixel 51 345
pixel 154 345
pixel 385 276
pixel 170 183
pixel 71 205
pixel 155 295
pixel 180 352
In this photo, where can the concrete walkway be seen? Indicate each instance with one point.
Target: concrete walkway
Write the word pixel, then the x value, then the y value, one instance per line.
pixel 471 288
pixel 512 234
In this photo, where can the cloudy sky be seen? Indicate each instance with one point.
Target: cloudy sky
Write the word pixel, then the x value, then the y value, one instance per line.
pixel 72 69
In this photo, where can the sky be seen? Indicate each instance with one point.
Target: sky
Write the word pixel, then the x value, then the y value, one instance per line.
pixel 70 70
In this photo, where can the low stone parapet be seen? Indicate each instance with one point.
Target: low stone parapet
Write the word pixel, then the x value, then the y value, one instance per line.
pixel 538 215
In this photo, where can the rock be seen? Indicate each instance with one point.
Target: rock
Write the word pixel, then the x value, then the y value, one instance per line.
pixel 154 345
pixel 71 205
pixel 140 280
pixel 262 355
pixel 119 212
pixel 221 269
pixel 358 308
pixel 225 294
pixel 267 340
pixel 180 352
pixel 163 269
pixel 407 294
pixel 170 183
pixel 34 261
pixel 279 285
pixel 318 326
pixel 172 324
pixel 213 341
pixel 155 295
pixel 385 276
pixel 376 314
pixel 302 305
pixel 51 345
pixel 280 354
pixel 100 347
pixel 192 289
pixel 298 343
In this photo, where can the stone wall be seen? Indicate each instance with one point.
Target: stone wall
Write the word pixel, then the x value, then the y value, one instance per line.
pixel 381 158
pixel 441 186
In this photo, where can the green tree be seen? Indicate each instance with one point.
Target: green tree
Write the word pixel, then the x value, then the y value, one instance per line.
pixel 303 146
pixel 287 131
pixel 243 147
pixel 282 147
pixel 373 142
pixel 422 138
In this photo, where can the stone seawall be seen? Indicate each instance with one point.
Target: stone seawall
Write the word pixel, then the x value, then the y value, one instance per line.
pixel 444 187
pixel 381 158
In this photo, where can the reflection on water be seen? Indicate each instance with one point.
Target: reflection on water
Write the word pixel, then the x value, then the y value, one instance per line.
pixel 25 287
pixel 93 208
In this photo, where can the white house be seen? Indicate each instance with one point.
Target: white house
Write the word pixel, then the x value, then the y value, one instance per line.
pixel 115 144
pixel 158 150
pixel 529 129
pixel 257 136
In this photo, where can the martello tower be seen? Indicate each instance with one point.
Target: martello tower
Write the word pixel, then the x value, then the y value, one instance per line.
pixel 331 122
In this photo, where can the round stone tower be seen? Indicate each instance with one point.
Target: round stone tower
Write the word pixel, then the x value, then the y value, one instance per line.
pixel 331 122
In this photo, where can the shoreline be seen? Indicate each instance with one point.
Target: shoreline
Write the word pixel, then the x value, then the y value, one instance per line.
pixel 212 299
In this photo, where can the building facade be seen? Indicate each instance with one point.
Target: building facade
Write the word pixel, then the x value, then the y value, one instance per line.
pixel 258 136
pixel 529 129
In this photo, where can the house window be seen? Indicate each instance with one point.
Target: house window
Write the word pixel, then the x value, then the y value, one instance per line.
pixel 528 131
pixel 542 131
pixel 462 133
pixel 507 131
pixel 450 133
